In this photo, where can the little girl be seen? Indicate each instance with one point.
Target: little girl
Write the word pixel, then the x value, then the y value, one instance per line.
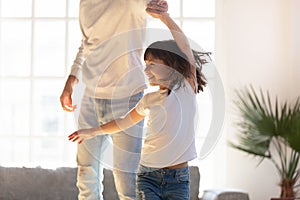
pixel 170 138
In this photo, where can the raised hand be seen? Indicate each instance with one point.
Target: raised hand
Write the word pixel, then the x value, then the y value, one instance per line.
pixel 157 6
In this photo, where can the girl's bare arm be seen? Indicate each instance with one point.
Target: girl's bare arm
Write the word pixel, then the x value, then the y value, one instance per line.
pixel 132 118
pixel 177 33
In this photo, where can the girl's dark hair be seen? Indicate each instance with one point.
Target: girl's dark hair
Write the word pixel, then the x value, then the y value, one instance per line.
pixel 172 56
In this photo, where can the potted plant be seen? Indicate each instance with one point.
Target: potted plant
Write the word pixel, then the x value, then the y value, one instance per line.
pixel 270 130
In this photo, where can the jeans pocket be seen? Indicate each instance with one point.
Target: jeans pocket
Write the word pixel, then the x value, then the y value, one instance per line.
pixel 182 176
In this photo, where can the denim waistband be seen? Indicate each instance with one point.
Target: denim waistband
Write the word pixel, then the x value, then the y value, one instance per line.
pixel 143 169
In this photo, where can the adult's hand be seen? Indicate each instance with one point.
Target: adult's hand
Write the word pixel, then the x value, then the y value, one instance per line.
pixel 66 96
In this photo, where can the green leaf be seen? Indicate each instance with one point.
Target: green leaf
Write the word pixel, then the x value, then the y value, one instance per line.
pixel 262 125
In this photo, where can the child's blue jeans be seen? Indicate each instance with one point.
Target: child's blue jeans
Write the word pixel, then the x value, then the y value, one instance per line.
pixel 163 184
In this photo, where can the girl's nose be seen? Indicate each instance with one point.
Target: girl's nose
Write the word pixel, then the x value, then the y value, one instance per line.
pixel 147 68
pixel 147 71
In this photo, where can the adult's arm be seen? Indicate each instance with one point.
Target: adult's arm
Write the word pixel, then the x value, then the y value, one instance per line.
pixel 66 96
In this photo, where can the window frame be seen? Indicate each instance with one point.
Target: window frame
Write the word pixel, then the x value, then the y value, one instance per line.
pixel 69 149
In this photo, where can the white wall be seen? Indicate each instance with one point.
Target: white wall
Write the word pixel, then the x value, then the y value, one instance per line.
pixel 257 43
pixel 295 47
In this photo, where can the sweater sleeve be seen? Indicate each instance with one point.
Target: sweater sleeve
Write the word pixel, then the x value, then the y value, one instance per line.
pixel 78 62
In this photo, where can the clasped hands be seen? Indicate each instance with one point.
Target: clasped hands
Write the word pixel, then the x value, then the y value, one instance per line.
pixel 157 6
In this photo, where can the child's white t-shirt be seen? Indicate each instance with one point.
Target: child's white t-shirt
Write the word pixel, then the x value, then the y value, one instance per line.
pixel 170 137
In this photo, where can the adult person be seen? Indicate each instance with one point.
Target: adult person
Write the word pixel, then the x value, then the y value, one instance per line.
pixel 170 141
pixel 108 62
